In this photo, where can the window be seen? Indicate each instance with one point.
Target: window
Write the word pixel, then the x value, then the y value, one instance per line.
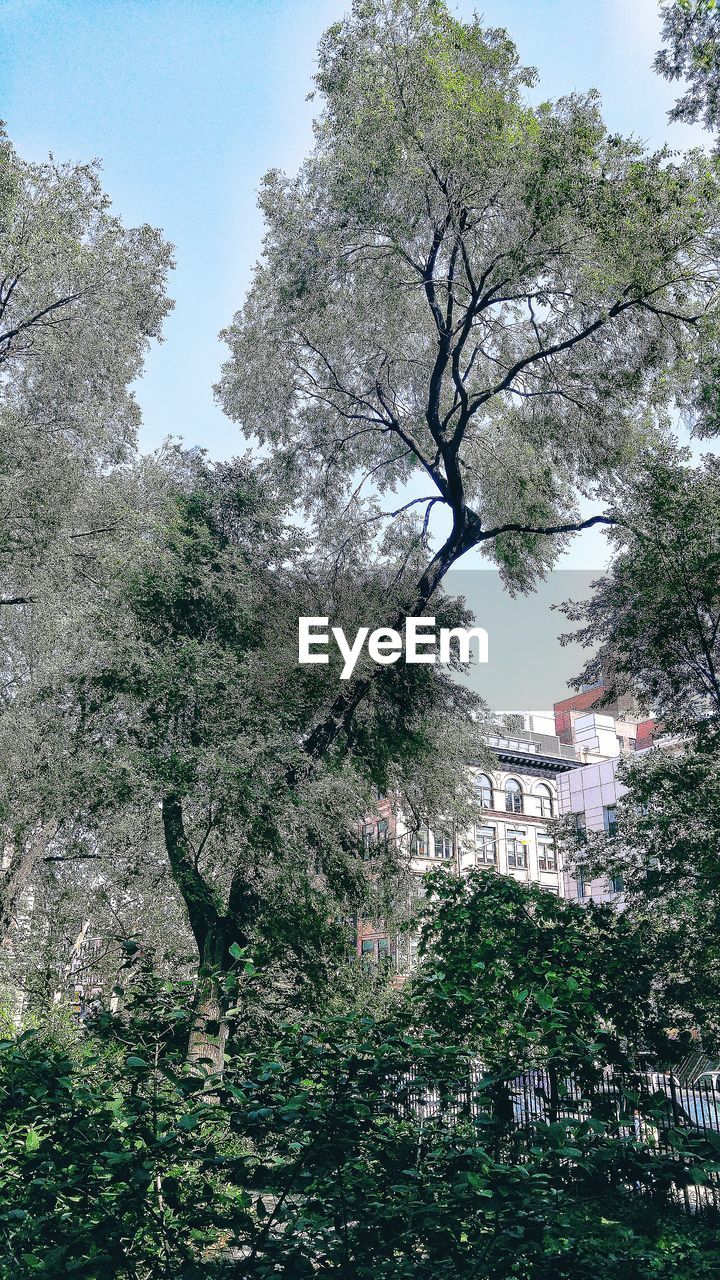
pixel 516 849
pixel 483 790
pixel 610 819
pixel 375 950
pixel 547 857
pixel 617 884
pixel 382 829
pixel 580 880
pixel 368 837
pixel 444 845
pixel 513 796
pixel 420 843
pixel 486 840
pixel 545 801
pixel 580 828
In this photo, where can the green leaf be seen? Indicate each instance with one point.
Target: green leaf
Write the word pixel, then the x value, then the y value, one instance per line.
pixel 33 1140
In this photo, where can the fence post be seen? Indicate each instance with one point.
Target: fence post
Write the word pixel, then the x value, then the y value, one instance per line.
pixel 554 1094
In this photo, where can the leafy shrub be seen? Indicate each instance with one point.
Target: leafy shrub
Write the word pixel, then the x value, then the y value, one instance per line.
pixel 118 1161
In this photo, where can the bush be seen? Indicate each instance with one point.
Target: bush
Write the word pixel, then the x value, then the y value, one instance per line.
pixel 117 1160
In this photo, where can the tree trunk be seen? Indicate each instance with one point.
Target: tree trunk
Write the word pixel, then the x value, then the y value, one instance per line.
pixel 211 930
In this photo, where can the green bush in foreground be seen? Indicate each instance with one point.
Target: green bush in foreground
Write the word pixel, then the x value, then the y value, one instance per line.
pixel 306 1159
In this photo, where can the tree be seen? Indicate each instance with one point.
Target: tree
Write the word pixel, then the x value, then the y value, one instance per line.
pixel 653 621
pixel 525 979
pixel 691 35
pixel 81 296
pixel 182 697
pixel 665 850
pixel 459 288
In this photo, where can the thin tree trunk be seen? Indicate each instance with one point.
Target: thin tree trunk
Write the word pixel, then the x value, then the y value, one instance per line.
pixel 211 929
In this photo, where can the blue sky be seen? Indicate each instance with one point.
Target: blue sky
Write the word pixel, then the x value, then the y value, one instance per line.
pixel 188 102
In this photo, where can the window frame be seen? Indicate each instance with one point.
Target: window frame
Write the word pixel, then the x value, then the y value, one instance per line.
pixel 443 838
pixel 610 824
pixel 421 837
pixel 513 788
pixel 518 839
pixel 484 790
pixel 545 798
pixel 486 836
pixel 546 844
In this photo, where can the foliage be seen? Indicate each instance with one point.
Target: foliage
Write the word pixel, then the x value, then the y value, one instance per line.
pixel 185 718
pixel 665 850
pixel 526 978
pixel 119 1160
pixel 691 31
pixel 653 621
pixel 81 298
pixel 493 300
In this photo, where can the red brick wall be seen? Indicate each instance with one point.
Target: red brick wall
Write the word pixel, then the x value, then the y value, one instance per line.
pixel 578 702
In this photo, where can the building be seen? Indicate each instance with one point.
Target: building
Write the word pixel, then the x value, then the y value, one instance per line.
pixel 590 795
pixel 615 730
pixel 512 834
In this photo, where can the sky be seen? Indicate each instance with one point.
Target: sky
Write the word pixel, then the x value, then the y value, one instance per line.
pixel 188 103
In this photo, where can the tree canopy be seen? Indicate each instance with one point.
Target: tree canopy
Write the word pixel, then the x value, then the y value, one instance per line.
pixel 490 300
pixel 691 52
pixel 81 296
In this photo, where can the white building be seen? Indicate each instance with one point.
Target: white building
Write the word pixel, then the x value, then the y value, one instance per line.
pixel 512 833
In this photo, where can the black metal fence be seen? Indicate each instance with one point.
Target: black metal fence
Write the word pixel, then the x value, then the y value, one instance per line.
pixel 646 1116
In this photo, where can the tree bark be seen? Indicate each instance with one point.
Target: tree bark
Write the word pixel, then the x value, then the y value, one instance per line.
pixel 213 933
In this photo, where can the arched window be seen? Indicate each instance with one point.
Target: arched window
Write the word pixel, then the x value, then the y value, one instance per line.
pixel 483 790
pixel 513 796
pixel 545 801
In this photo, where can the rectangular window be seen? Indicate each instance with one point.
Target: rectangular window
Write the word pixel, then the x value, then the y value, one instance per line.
pixel 382 829
pixel 444 845
pixel 486 841
pixel 420 843
pixel 367 947
pixel 580 828
pixel 517 849
pixel 547 857
pixel 617 884
pixel 383 948
pixel 580 880
pixel 610 819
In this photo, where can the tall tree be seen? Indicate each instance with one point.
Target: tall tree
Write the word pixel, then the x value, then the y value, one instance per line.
pixel 183 698
pixel 462 291
pixel 654 622
pixel 81 296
